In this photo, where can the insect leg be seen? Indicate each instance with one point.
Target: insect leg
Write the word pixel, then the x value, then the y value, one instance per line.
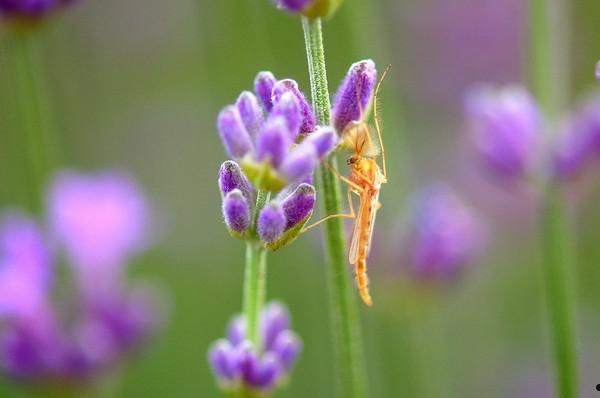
pixel 329 217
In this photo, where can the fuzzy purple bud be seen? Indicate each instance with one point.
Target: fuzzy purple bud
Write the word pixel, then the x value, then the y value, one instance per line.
pixel 598 71
pixel 445 234
pixel 234 135
pixel 289 107
pixel 271 222
pixel 250 112
pixel 324 140
pixel 300 163
pixel 572 152
pixel 224 360
pixel 354 95
pixel 309 121
pixel 232 177
pixel 30 9
pixel 263 87
pixel 275 319
pixel 236 332
pixel 236 211
pixel 259 373
pixel 273 141
pixel 286 348
pixel 298 204
pixel 293 5
pixel 505 125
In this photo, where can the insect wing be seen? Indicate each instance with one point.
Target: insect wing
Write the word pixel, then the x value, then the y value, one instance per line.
pixel 353 253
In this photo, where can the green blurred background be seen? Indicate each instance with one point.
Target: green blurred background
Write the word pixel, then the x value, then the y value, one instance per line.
pixel 137 85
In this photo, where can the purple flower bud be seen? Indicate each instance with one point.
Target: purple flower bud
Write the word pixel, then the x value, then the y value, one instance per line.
pixel 293 5
pixel 236 211
pixel 263 87
pixel 289 107
pixel 309 121
pixel 225 361
pixel 273 141
pixel 234 135
pixel 286 348
pixel 598 70
pixel 298 204
pixel 236 332
pixel 271 222
pixel 323 140
pixel 24 266
pixel 445 235
pixel 250 112
pixel 300 163
pixel 572 152
pixel 232 177
pixel 505 124
pixel 259 373
pixel 275 319
pixel 354 94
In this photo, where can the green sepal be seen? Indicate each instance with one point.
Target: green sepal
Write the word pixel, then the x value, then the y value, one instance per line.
pixel 288 236
pixel 322 8
pixel 263 175
pixel 237 235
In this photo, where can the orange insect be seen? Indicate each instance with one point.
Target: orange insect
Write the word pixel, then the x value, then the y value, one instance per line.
pixel 365 180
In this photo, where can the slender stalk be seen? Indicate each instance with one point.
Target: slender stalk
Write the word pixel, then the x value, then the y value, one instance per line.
pixel 255 280
pixel 34 127
pixel 557 253
pixel 351 375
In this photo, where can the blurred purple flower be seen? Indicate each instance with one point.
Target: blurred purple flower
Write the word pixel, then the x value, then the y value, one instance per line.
pixel 598 70
pixel 100 220
pixel 31 9
pixel 444 234
pixel 237 364
pixel 354 95
pixel 506 126
pixel 25 266
pixel 293 5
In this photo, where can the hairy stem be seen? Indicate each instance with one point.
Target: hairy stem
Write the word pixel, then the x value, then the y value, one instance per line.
pixel 351 376
pixel 557 253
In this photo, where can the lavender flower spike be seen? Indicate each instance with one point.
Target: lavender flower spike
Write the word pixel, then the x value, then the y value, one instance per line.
pixel 263 87
pixel 505 125
pixel 236 212
pixel 271 222
pixel 309 121
pixel 445 234
pixel 224 360
pixel 293 5
pixel 354 95
pixel 234 135
pixel 31 9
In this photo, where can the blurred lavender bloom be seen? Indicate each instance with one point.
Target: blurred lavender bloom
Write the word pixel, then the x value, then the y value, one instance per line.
pixel 236 211
pixel 25 266
pixel 505 125
pixel 236 364
pixel 444 234
pixel 31 9
pixel 354 95
pixel 598 70
pixel 263 87
pixel 309 121
pixel 571 152
pixel 271 222
pixel 293 5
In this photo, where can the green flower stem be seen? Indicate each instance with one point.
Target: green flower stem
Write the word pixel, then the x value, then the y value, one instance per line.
pixel 351 375
pixel 255 279
pixel 34 132
pixel 557 253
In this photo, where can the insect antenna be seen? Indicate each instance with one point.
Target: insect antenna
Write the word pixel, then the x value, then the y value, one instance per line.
pixel 377 120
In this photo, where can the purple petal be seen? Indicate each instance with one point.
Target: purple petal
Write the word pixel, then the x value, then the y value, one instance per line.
pixel 236 211
pixel 275 319
pixel 598 70
pixel 286 348
pixel 260 373
pixel 289 107
pixel 354 94
pixel 293 5
pixel 298 205
pixel 250 112
pixel 234 135
pixel 236 332
pixel 572 152
pixel 323 140
pixel 232 177
pixel 273 141
pixel 224 360
pixel 300 163
pixel 309 121
pixel 263 87
pixel 271 222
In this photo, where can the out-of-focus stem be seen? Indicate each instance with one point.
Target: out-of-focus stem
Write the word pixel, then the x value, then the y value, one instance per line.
pixel 351 376
pixel 557 253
